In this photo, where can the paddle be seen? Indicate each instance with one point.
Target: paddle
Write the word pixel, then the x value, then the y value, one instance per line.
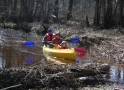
pixel 75 39
pixel 79 51
pixel 29 43
pixel 32 43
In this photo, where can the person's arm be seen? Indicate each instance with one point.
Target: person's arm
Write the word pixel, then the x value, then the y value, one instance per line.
pixel 53 40
pixel 44 39
pixel 61 40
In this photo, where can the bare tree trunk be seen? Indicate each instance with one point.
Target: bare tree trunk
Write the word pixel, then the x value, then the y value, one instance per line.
pixel 97 13
pixel 14 13
pixel 121 12
pixel 15 5
pixel 103 12
pixel 69 14
pixel 87 22
pixel 6 6
pixel 47 11
pixel 46 7
pixel 63 2
pixel 42 11
pixel 21 8
pixel 30 10
pixel 55 13
pixel 25 11
pixel 36 9
pixel 24 5
pixel 10 8
pixel 108 14
pixel 47 16
pixel 1 6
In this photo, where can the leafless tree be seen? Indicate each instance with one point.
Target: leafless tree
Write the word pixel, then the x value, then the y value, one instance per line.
pixel 105 13
pixel 69 14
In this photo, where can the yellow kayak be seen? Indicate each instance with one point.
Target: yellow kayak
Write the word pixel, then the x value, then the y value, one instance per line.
pixel 61 53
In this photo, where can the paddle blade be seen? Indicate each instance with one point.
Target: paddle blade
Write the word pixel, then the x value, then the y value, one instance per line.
pixel 29 59
pixel 29 43
pixel 75 39
pixel 80 52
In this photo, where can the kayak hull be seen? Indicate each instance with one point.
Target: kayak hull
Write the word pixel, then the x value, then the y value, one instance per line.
pixel 61 53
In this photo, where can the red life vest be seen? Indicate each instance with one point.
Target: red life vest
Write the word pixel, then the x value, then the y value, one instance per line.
pixel 57 41
pixel 60 47
pixel 48 38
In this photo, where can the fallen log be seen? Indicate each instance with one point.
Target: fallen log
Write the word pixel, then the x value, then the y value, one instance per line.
pixel 49 76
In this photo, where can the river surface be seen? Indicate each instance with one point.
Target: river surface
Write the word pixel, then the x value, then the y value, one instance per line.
pixel 14 54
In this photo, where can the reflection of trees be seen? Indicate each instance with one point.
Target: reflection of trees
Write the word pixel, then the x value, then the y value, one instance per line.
pixel 115 74
pixel 5 58
pixel 123 75
pixel 119 74
pixel 108 75
pixel 11 57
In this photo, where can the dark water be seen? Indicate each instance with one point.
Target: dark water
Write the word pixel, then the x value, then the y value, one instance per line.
pixel 13 53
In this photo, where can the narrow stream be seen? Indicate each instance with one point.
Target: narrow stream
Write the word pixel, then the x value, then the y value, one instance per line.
pixel 14 54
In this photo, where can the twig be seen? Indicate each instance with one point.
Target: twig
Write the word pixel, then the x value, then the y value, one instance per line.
pixel 11 87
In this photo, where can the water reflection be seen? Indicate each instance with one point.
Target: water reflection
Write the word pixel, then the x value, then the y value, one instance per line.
pixel 13 53
pixel 59 60
pixel 16 56
pixel 29 59
pixel 1 64
pixel 116 75
pixel 78 61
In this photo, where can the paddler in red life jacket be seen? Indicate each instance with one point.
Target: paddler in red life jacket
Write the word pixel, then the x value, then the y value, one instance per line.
pixel 48 37
pixel 63 45
pixel 57 41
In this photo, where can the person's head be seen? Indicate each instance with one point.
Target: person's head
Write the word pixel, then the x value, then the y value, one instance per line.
pixel 49 30
pixel 63 44
pixel 57 35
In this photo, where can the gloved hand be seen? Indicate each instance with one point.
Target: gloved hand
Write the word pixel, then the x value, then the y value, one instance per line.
pixel 51 45
pixel 49 41
pixel 46 43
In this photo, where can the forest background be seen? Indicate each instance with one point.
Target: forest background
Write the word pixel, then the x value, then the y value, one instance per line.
pixel 100 13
